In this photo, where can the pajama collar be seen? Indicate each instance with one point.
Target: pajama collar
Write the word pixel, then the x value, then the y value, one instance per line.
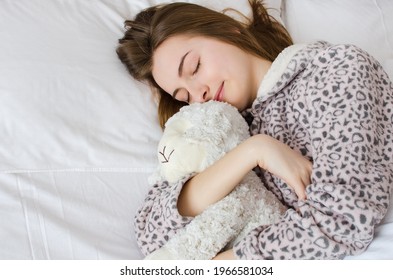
pixel 277 68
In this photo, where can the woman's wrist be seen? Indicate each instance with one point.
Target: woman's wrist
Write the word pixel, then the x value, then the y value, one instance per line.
pixel 218 180
pixel 258 146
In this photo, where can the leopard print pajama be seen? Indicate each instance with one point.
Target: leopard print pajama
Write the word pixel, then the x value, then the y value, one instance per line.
pixel 333 104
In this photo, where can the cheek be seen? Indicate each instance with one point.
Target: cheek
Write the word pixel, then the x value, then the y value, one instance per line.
pixel 218 69
pixel 210 75
pixel 239 93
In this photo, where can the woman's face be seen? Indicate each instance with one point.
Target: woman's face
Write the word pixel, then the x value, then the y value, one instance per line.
pixel 199 69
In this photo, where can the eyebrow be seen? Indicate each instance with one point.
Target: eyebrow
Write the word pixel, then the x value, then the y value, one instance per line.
pixel 180 72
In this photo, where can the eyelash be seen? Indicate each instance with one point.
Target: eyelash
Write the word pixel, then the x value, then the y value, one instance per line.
pixel 197 67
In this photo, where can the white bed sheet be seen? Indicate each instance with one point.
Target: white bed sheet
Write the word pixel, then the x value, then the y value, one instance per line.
pixel 78 134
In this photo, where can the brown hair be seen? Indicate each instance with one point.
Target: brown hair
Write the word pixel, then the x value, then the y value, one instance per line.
pixel 261 35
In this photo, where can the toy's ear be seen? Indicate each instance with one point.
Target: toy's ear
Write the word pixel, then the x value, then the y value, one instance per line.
pixel 177 156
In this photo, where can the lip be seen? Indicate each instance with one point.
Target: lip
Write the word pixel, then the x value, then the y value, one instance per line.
pixel 220 93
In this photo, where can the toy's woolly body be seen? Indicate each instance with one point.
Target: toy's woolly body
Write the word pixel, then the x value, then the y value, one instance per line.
pixel 194 139
pixel 226 222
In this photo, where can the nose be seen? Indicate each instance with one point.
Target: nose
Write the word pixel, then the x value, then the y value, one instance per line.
pixel 198 93
pixel 199 97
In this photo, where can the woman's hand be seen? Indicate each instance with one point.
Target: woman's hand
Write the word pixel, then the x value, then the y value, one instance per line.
pixel 280 160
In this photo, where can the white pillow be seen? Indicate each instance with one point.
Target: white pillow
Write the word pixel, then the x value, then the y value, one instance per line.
pixel 66 100
pixel 367 24
pixel 273 6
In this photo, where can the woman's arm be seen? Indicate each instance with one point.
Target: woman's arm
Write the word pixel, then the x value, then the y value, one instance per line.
pixel 219 179
pixel 226 255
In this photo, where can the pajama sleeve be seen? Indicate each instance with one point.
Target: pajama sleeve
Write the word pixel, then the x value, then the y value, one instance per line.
pixel 347 104
pixel 158 219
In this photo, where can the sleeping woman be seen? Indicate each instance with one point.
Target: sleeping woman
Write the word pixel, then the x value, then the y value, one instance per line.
pixel 333 104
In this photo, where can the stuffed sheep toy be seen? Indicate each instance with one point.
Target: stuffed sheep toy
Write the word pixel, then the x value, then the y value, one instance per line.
pixel 193 139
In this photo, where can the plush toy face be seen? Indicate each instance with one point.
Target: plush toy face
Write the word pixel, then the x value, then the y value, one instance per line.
pixel 176 154
pixel 197 136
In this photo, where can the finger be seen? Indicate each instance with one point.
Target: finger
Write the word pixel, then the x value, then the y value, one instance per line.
pixel 306 182
pixel 300 190
pixel 306 179
pixel 301 195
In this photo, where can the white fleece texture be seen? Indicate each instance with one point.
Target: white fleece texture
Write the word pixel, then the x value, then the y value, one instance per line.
pixel 213 129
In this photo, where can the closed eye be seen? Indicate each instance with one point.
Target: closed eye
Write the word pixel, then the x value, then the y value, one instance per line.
pixel 197 67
